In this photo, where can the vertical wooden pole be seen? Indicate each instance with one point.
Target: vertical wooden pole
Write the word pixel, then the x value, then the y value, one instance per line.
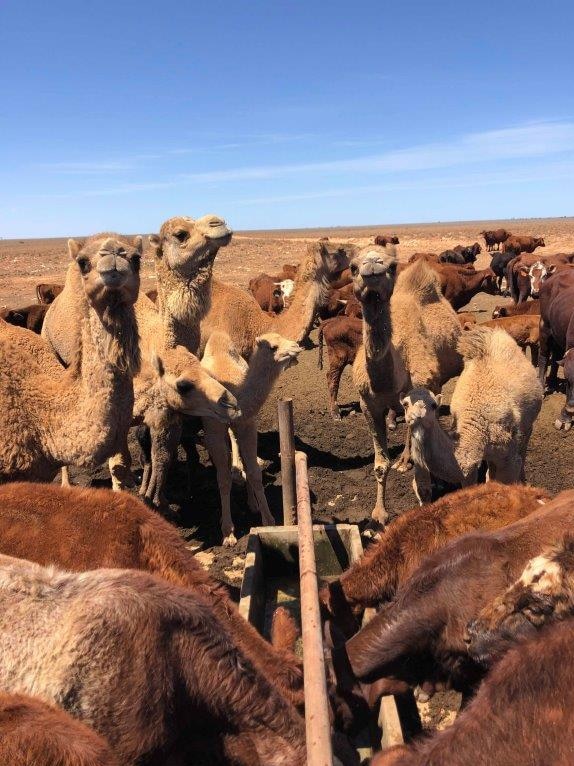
pixel 317 725
pixel 287 449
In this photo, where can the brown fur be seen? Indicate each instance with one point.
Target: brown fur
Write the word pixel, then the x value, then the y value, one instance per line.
pixel 343 336
pixel 148 665
pixel 495 237
pixel 47 292
pixel 512 309
pixel 521 714
pixel 81 529
pixel 386 239
pixel 524 328
pixel 30 317
pixel 33 733
pixel 516 244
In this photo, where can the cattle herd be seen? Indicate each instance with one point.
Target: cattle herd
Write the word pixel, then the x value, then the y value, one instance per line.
pixel 119 649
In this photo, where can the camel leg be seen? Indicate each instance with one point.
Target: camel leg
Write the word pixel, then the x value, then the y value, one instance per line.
pixel 120 469
pixel 237 469
pixel 143 437
pixel 333 382
pixel 247 442
pixel 378 430
pixel 217 444
pixel 404 464
pixel 65 476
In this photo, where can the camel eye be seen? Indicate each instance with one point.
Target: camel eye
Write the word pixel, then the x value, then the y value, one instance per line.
pixel 84 265
pixel 184 387
pixel 354 269
pixel 182 235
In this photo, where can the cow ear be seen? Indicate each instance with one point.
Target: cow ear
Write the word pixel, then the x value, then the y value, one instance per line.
pixel 551 269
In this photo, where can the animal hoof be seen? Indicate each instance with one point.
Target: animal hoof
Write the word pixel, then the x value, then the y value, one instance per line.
pixel 229 541
pixel 374 529
pixel 402 466
pixel 237 475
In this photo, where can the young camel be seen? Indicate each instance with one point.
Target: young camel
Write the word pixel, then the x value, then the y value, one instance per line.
pixel 148 665
pixel 53 417
pixel 115 529
pixel 493 412
pixel 33 733
pixel 251 384
pixel 379 372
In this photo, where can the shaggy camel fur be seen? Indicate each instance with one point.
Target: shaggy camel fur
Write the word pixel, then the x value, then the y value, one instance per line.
pixel 543 594
pixel 148 665
pixel 113 529
pixel 521 714
pixel 494 405
pixel 53 417
pixel 415 534
pixel 379 373
pixel 35 734
pixel 251 385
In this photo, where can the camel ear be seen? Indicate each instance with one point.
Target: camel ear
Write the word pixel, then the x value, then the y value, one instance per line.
pixel 155 244
pixel 137 242
pixel 438 400
pixel 157 364
pixel 73 248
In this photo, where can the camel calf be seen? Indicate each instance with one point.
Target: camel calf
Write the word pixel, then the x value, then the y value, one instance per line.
pixel 146 664
pixel 33 733
pixel 81 529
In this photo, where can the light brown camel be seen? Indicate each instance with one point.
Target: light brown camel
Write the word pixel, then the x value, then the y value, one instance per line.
pixel 51 417
pixel 494 405
pixel 251 384
pixel 379 372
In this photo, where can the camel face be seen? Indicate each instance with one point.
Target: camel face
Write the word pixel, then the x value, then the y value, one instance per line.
pixel 420 408
pixel 196 392
pixel 373 271
pixel 332 258
pixel 110 267
pixel 284 351
pixel 542 593
pixel 189 246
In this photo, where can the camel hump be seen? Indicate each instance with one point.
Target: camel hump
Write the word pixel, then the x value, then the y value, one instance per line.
pixel 477 342
pixel 420 280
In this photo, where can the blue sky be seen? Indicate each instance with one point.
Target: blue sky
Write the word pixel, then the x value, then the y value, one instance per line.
pixel 282 114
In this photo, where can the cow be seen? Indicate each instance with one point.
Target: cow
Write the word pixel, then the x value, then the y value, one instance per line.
pixel 557 338
pixel 517 245
pixel 495 237
pixel 516 309
pixel 31 317
pixel 47 292
pixel 386 239
pixel 271 295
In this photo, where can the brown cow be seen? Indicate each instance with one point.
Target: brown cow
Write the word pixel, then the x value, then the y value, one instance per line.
pixel 416 533
pixel 269 293
pixel 386 239
pixel 421 634
pixel 522 713
pixel 33 733
pixel 517 245
pixel 557 337
pixel 543 594
pixel 47 292
pixel 31 317
pixel 459 284
pixel 495 237
pixel 524 328
pixel 342 279
pixel 515 309
pixel 343 337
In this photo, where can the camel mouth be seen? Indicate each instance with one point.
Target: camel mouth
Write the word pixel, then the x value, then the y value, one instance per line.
pixel 113 280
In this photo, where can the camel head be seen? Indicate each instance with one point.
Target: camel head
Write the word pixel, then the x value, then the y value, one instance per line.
pixel 283 350
pixel 373 271
pixel 543 593
pixel 188 246
pixel 195 392
pixel 109 265
pixel 324 259
pixel 420 408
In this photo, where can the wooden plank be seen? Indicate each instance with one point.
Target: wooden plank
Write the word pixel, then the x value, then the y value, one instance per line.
pixel 317 725
pixel 287 452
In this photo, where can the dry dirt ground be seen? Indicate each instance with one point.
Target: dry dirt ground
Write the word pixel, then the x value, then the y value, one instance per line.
pixel 339 454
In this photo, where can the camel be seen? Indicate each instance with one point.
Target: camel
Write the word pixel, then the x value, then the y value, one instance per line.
pixel 33 733
pixel 146 664
pixel 379 373
pixel 52 417
pixel 251 384
pixel 494 405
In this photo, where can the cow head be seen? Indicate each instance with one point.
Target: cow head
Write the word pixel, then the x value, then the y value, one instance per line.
pixel 543 593
pixel 537 274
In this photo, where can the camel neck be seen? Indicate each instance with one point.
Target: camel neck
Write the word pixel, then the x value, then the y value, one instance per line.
pixel 297 321
pixel 258 383
pixel 377 328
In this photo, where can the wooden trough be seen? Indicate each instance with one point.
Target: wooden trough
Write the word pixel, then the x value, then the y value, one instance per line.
pixel 282 568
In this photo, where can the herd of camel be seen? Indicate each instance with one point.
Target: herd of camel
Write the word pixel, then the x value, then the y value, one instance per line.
pixel 118 649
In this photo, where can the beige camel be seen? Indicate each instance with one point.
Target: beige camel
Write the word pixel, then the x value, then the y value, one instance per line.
pixel 51 417
pixel 251 384
pixel 494 405
pixel 379 372
pixel 426 329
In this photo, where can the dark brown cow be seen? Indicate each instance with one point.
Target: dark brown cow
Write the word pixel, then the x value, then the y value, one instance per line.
pixel 31 317
pixel 460 254
pixel 557 337
pixel 268 293
pixel 523 713
pixel 515 309
pixel 386 239
pixel 421 634
pixel 342 279
pixel 459 285
pixel 343 336
pixel 544 593
pixel 495 237
pixel 47 292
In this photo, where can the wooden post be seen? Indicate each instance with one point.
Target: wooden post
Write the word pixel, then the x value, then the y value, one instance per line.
pixel 287 449
pixel 317 725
